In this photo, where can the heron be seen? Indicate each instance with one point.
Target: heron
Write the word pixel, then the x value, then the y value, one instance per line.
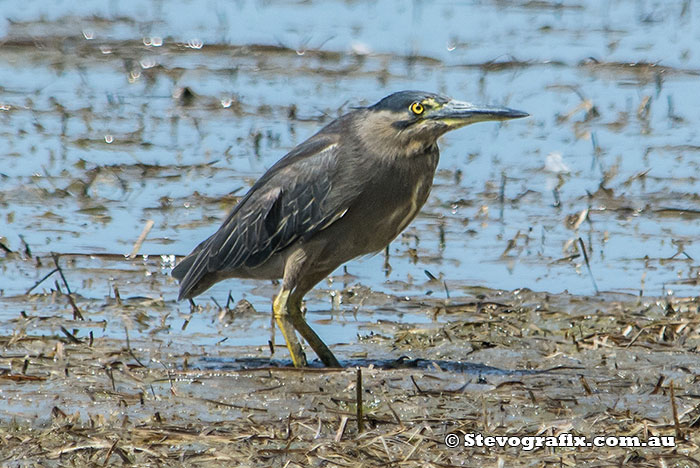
pixel 347 191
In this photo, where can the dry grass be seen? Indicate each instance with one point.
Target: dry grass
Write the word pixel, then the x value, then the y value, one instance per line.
pixel 502 364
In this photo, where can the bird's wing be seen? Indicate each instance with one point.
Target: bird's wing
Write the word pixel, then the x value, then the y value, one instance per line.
pixel 291 201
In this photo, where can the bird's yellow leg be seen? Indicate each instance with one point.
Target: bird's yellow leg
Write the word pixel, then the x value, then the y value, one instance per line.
pixel 310 336
pixel 280 310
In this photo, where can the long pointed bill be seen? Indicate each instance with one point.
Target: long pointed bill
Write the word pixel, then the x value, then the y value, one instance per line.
pixel 459 113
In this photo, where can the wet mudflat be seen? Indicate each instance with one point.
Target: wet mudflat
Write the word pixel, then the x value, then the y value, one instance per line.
pixel 513 364
pixel 123 119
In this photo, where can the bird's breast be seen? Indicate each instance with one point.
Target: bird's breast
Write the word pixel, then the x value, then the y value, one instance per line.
pixel 396 199
pixel 408 203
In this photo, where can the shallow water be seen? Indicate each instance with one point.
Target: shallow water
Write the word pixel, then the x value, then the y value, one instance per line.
pixel 100 138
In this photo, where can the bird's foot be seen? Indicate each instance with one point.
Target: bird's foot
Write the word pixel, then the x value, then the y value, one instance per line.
pixel 311 337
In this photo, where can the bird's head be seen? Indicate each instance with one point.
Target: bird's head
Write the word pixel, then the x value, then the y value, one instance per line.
pixel 410 120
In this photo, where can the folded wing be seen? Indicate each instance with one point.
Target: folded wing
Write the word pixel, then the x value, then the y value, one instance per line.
pixel 292 201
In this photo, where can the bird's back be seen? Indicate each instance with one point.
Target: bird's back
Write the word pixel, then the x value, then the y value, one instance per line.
pixel 293 200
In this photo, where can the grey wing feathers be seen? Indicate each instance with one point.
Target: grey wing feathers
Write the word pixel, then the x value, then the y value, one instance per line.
pixel 291 201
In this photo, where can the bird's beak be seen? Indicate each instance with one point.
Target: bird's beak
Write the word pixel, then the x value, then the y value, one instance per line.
pixel 457 114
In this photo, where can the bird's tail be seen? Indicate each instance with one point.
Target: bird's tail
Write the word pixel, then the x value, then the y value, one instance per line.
pixel 184 266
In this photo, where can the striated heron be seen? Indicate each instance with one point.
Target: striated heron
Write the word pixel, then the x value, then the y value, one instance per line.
pixel 347 191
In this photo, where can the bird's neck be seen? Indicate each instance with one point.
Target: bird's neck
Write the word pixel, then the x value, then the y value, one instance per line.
pixel 376 135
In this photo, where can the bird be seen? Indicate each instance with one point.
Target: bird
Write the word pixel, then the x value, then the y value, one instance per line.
pixel 345 192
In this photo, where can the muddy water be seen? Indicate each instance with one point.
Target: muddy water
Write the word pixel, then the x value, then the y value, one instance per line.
pixel 116 113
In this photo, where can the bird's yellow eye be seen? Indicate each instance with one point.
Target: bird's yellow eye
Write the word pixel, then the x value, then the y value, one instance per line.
pixel 417 108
